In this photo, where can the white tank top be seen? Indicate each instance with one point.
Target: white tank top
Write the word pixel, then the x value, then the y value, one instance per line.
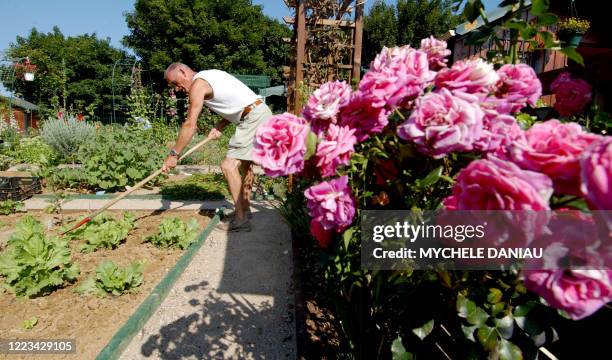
pixel 230 95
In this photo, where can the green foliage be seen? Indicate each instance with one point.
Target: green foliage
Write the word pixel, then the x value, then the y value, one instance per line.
pixel 214 152
pixel 379 30
pixel 104 231
pixel 65 136
pixel 34 264
pixel 33 151
pixel 66 178
pixel 9 206
pixel 197 187
pixel 232 35
pixel 111 279
pixel 119 157
pixel 73 71
pixel 173 232
pixel 29 324
pixel 5 162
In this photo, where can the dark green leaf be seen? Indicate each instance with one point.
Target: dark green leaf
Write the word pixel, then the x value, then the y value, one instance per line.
pixel 547 19
pixel 539 6
pixel 431 178
pixel 572 54
pixel 505 326
pixel 311 145
pixel 399 351
pixel 468 331
pixel 478 37
pixel 508 351
pixel 495 295
pixel 487 336
pixel 424 330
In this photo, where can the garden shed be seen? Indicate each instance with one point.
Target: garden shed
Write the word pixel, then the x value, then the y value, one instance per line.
pixel 24 112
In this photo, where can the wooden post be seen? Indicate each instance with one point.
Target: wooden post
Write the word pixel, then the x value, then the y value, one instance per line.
pixel 356 74
pixel 300 51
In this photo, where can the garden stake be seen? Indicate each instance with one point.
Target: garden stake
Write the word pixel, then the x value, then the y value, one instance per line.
pixel 134 188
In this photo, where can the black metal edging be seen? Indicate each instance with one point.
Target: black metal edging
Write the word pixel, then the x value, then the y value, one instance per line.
pixel 143 313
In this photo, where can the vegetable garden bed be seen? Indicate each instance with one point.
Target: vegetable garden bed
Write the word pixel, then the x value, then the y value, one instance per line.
pixel 91 320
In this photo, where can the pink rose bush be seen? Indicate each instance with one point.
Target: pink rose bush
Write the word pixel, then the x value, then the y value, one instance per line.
pixel 335 148
pixel 578 292
pixel 436 51
pixel 365 119
pixel 397 76
pixel 518 86
pixel 442 123
pixel 325 103
pixel 280 145
pixel 495 184
pixel 554 148
pixel 468 76
pixel 499 131
pixel 330 205
pixel 571 95
pixel 596 175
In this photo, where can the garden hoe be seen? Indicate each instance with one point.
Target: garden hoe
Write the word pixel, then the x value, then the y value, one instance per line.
pixel 134 188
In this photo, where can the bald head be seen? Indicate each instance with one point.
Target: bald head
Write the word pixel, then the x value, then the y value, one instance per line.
pixel 179 76
pixel 175 66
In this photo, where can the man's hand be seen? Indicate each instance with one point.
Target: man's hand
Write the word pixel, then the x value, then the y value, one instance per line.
pixel 169 163
pixel 214 134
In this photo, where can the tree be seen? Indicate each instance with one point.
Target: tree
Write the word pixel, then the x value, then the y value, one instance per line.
pixel 72 72
pixel 379 29
pixel 406 24
pixel 232 35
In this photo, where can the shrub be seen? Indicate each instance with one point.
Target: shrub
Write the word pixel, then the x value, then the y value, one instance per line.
pixel 65 136
pixel 118 157
pixel 197 187
pixel 5 162
pixel 34 264
pixel 33 151
pixel 66 178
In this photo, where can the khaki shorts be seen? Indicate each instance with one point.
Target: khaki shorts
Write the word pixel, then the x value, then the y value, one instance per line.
pixel 241 144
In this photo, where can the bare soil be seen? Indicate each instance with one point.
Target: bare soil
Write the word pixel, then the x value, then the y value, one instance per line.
pixel 92 321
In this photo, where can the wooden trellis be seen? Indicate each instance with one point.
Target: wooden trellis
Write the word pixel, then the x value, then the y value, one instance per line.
pixel 327 38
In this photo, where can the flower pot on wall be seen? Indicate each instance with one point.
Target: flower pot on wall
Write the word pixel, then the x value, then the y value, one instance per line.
pixel 570 39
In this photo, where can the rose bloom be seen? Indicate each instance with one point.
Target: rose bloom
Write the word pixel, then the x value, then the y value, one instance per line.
pixel 330 203
pixel 280 145
pixel 322 236
pixel 553 148
pixel 495 184
pixel 578 292
pixel 436 51
pixel 335 148
pixel 468 76
pixel 396 77
pixel 518 86
pixel 499 131
pixel 323 105
pixel 571 95
pixel 596 174
pixel 442 123
pixel 360 115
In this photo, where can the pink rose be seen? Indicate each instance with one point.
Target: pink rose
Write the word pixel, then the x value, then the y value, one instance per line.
pixel 436 52
pixel 596 174
pixel 518 85
pixel 571 95
pixel 499 131
pixel 397 76
pixel 335 148
pixel 280 145
pixel 580 293
pixel 468 76
pixel 322 236
pixel 495 184
pixel 360 115
pixel 323 105
pixel 553 148
pixel 331 204
pixel 442 123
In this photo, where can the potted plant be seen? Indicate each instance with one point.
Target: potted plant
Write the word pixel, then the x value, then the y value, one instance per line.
pixel 571 30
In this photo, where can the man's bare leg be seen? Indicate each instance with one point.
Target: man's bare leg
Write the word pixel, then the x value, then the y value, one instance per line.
pixel 246 169
pixel 231 170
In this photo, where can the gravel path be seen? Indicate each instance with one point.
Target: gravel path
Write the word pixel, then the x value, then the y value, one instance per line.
pixel 234 301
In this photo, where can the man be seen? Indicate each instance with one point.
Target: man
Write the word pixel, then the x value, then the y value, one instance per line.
pixel 234 102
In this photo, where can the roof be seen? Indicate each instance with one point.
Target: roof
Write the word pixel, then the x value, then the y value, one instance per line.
pixel 17 102
pixel 492 15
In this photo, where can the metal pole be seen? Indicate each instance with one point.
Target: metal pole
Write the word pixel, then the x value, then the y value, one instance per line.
pixel 113 90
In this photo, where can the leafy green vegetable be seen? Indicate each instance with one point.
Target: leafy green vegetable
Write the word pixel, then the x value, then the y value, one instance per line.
pixel 104 231
pixel 29 324
pixel 34 264
pixel 173 232
pixel 9 206
pixel 111 279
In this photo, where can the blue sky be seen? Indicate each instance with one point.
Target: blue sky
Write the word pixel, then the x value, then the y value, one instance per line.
pixel 103 17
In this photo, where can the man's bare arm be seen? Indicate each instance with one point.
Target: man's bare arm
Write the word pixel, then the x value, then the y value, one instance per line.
pixel 197 93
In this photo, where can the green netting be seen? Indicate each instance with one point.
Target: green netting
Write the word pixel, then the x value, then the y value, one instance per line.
pixel 254 81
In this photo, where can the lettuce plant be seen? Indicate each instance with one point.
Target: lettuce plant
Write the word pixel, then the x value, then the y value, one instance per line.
pixel 104 232
pixel 173 232
pixel 111 279
pixel 34 264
